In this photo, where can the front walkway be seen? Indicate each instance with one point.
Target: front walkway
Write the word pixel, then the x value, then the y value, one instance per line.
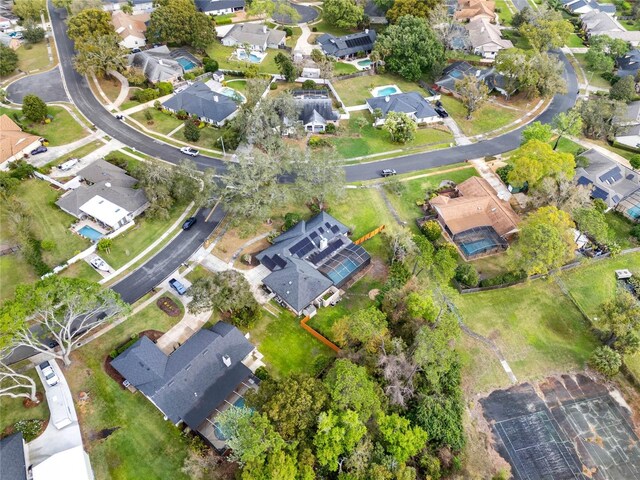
pixel 303 44
pixel 490 176
pixel 458 135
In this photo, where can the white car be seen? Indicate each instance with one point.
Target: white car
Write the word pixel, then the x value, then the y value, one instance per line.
pixel 99 264
pixel 49 375
pixel 190 151
pixel 68 165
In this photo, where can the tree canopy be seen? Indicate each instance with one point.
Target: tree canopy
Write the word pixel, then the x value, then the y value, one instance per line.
pixel 546 29
pixel 100 55
pixel 472 92
pixel 8 60
pixel 400 126
pixel 533 73
pixel 536 160
pixel 168 24
pixel 416 8
pixel 34 108
pixel 346 14
pixel 88 24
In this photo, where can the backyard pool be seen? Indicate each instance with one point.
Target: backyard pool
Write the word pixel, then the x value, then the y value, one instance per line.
pixel 479 246
pixel 364 63
pixel 90 233
pixel 253 57
pixel 186 64
pixel 634 212
pixel 230 92
pixel 385 90
pixel 220 435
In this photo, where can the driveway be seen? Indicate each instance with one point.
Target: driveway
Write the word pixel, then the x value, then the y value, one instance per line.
pixel 48 86
pixel 55 440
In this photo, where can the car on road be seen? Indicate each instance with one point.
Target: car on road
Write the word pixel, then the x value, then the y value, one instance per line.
pixel 387 172
pixel 177 286
pixel 190 151
pixel 189 223
pixel 99 264
pixel 38 150
pixel 49 375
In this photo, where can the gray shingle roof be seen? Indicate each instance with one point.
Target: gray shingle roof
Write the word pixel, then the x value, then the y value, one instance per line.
pixel 191 382
pixel 629 63
pixel 200 100
pixel 213 5
pixel 317 110
pixel 255 34
pixel 101 170
pixel 131 199
pixel 157 64
pixel 347 45
pixel 12 462
pixel 410 103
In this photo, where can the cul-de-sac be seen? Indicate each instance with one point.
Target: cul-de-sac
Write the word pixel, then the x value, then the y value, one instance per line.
pixel 319 239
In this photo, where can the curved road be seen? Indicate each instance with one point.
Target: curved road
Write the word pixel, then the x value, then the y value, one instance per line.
pixel 84 99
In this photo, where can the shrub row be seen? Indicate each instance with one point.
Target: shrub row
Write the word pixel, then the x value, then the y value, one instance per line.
pixel 117 351
pixel 508 277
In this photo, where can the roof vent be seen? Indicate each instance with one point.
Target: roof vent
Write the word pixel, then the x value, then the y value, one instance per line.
pixel 323 243
pixel 215 98
pixel 226 359
pixel 366 30
pixel 387 98
pixel 108 185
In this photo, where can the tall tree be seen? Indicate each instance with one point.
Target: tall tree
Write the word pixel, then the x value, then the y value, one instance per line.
pixel 100 55
pixel 366 327
pixel 64 309
pixel 534 73
pixel 401 127
pixel 203 31
pixel 536 160
pixel 593 223
pixel 33 33
pixel 624 89
pixel 29 9
pixel 87 24
pixel 34 108
pixel 567 123
pixel 346 14
pixel 169 20
pixel 472 92
pixel 16 385
pixel 564 194
pixel 337 436
pixel 401 440
pixel 8 60
pixel 619 319
pixel 410 48
pixel 537 131
pixel 351 388
pixel 417 8
pixel 319 178
pixel 598 117
pixel 76 6
pixel 546 29
pixel 286 67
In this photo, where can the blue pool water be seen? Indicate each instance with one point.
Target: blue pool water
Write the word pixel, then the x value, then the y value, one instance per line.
pixel 217 430
pixel 253 58
pixel 239 402
pixel 479 246
pixel 634 212
pixel 186 64
pixel 90 233
pixel 383 92
pixel 365 63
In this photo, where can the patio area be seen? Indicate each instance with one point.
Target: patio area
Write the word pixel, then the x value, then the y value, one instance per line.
pixel 89 229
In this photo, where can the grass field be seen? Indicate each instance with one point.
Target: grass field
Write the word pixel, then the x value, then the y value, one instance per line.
pixel 223 56
pixel 111 87
pixel 567 146
pixel 162 122
pixel 35 58
pixel 341 68
pixel 505 14
pixel 354 142
pixel 488 118
pixel 621 229
pixel 594 78
pixel 326 27
pixel 575 41
pixel 81 269
pixel 63 128
pixel 355 91
pixel 141 431
pixel 12 410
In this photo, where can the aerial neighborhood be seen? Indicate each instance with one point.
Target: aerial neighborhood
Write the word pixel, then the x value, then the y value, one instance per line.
pixel 339 240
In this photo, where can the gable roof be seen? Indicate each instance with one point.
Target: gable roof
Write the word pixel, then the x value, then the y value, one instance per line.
pixel 473 8
pixel 255 34
pixel 12 459
pixel 477 205
pixel 629 63
pixel 156 64
pixel 129 25
pixel 198 99
pixel 12 138
pixel 457 70
pixel 315 106
pixel 482 33
pixel 609 180
pixel 214 5
pixel 101 170
pixel 348 44
pixel 191 382
pixel 596 22
pixel 410 103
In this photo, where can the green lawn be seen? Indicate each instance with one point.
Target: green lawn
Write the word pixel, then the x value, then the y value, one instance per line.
pixel 141 430
pixel 354 142
pixel 486 119
pixel 292 40
pixel 355 91
pixel 63 128
pixel 162 122
pixel 239 85
pixel 77 153
pixel 81 269
pixel 111 87
pixel 35 58
pixel 12 409
pixel 538 330
pixel 568 146
pixel 208 137
pixel 223 56
pixel 575 41
pixel 341 68
pixel 594 78
pixel 518 40
pixel 129 244
pixel 505 14
pixel 14 271
pixel 621 229
pixel 286 347
pixel 325 27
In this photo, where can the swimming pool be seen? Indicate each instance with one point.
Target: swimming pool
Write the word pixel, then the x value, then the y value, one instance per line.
pixel 220 435
pixel 186 64
pixel 478 246
pixel 90 233
pixel 385 90
pixel 634 212
pixel 253 57
pixel 230 92
pixel 365 63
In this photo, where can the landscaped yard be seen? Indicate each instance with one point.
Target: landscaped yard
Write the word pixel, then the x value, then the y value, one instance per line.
pixel 35 58
pixel 325 27
pixel 222 55
pixel 594 78
pixel 238 84
pixel 575 41
pixel 620 229
pixel 208 137
pixel 140 430
pixel 63 128
pixel 505 14
pixel 12 409
pixel 162 122
pixel 77 153
pixel 352 141
pixel 341 68
pixel 355 91
pixel 111 87
pixel 81 269
pixel 488 118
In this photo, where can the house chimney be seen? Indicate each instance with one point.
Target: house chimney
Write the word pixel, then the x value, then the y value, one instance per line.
pixel 323 243
pixel 226 359
pixel 386 99
pixel 215 98
pixel 108 185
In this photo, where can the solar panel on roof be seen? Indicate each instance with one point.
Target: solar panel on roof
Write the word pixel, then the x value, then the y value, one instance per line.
pixel 357 42
pixel 267 262
pixel 335 229
pixel 318 257
pixel 631 176
pixel 313 235
pixel 279 261
pixel 301 246
pixel 611 176
pixel 584 181
pixel 597 192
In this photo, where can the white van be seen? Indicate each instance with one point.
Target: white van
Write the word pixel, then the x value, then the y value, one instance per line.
pixel 68 165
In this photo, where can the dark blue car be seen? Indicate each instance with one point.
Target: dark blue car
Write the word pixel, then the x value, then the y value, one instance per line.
pixel 37 150
pixel 188 223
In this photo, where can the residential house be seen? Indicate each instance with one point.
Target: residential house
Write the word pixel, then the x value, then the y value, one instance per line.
pixel 70 464
pixel 472 9
pixel 316 110
pixel 220 7
pixel 11 42
pixel 486 38
pixel 157 64
pixel 411 103
pixel 198 99
pixel 256 36
pixel 457 70
pixel 310 262
pixel 6 22
pixel 475 218
pixel 348 46
pixel 628 64
pixel 630 118
pixel 197 380
pixel 14 458
pixel 608 180
pixel 131 28
pixel 596 22
pixel 107 195
pixel 375 13
pixel 578 7
pixel 138 6
pixel 14 143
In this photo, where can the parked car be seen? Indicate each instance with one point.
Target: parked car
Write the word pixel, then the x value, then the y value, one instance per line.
pixel 177 286
pixel 387 172
pixel 119 117
pixel 17 35
pixel 99 264
pixel 68 165
pixel 135 50
pixel 190 151
pixel 38 150
pixel 442 113
pixel 49 375
pixel 189 223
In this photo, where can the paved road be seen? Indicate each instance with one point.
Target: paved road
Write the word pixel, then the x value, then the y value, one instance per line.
pixel 165 262
pixel 47 85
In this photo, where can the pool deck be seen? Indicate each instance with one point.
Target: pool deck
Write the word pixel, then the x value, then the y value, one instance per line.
pixel 376 92
pixel 88 223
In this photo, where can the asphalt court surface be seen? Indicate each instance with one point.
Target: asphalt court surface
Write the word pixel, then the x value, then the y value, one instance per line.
pixel 567 428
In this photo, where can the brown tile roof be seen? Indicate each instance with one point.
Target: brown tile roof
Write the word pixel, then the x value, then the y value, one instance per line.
pixel 12 139
pixel 477 206
pixel 469 9
pixel 126 25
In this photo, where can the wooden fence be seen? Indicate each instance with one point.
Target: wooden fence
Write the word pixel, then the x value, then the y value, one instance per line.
pixel 372 233
pixel 332 346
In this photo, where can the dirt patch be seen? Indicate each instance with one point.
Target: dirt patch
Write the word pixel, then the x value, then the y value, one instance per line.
pixel 373 293
pixel 379 269
pixel 28 403
pixel 168 306
pixel 152 335
pixel 494 335
pixel 112 372
pixel 102 434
